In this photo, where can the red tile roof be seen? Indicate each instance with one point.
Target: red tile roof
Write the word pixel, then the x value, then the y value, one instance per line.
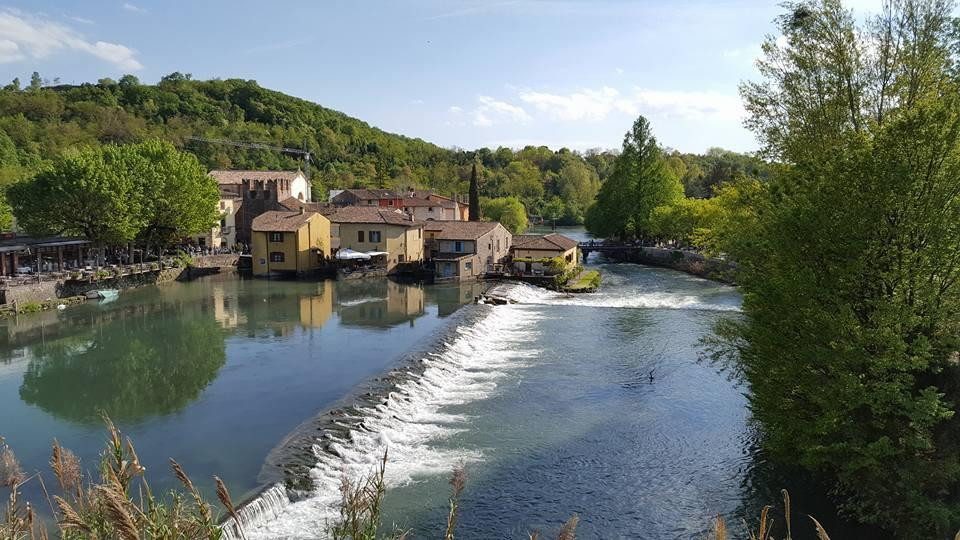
pixel 373 215
pixel 237 177
pixel 548 242
pixel 278 221
pixel 460 230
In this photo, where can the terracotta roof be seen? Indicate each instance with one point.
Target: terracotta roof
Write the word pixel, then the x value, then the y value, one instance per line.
pixel 293 203
pixel 461 230
pixel 276 220
pixel 416 201
pixel 237 177
pixel 548 242
pixel 371 193
pixel 373 214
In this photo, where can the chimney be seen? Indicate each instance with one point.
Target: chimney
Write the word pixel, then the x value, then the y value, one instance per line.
pixel 301 210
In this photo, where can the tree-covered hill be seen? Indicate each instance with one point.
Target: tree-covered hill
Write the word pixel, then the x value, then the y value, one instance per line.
pixel 38 123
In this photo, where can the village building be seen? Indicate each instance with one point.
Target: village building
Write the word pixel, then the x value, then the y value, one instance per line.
pixel 224 234
pixel 383 198
pixel 285 242
pixel 372 229
pixel 256 192
pixel 461 209
pixel 535 246
pixel 465 250
pixel 432 210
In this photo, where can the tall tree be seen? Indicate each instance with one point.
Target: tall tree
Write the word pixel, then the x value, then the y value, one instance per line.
pixel 848 337
pixel 640 182
pixel 474 194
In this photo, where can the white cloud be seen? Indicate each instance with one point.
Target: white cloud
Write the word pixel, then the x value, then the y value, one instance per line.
pixel 136 9
pixel 9 52
pixel 598 104
pixel 453 109
pixel 582 105
pixel 82 20
pixel 416 101
pixel 492 111
pixel 28 36
pixel 619 71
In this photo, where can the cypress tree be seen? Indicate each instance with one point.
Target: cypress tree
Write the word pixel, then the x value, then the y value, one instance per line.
pixel 474 194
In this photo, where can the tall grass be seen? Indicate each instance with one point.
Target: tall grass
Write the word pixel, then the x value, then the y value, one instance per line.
pixel 120 503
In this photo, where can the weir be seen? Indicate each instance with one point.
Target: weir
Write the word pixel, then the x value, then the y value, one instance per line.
pixel 402 421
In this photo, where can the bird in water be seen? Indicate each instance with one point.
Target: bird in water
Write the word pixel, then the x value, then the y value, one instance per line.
pixel 651 376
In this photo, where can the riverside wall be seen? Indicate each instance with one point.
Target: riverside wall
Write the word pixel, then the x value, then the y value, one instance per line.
pixel 53 289
pixel 690 262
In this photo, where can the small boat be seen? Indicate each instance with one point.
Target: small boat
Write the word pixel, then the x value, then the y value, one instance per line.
pixel 108 294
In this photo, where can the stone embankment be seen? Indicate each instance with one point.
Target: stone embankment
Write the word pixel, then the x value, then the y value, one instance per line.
pixel 690 262
pixel 50 289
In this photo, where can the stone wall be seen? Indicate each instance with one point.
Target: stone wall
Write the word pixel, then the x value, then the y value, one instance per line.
pixel 690 262
pixel 226 260
pixel 48 290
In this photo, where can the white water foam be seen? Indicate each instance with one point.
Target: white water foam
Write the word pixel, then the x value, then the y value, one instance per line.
pixel 524 293
pixel 405 423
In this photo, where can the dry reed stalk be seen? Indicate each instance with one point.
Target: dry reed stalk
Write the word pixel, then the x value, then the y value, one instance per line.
pixel 822 533
pixel 224 497
pixel 70 518
pixel 10 472
pixel 569 530
pixel 786 511
pixel 719 528
pixel 116 504
pixel 457 481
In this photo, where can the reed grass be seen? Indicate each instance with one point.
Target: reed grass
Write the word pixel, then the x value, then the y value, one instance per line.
pixel 120 503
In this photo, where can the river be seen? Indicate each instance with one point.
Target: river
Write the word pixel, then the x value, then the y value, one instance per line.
pixel 597 404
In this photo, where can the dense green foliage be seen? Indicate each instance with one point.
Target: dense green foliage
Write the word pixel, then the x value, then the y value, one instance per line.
pixel 114 195
pixel 508 211
pixel 849 261
pixel 38 124
pixel 641 181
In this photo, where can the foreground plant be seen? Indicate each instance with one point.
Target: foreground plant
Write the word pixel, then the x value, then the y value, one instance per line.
pixel 119 505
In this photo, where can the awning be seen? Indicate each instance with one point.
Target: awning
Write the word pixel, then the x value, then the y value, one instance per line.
pixel 348 254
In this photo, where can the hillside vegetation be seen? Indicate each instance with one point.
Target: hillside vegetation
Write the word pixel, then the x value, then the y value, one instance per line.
pixel 39 123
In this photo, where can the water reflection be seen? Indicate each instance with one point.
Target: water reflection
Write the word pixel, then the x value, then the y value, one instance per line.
pixel 144 366
pixel 379 304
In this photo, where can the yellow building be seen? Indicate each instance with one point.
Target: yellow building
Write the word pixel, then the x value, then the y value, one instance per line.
pixel 367 228
pixel 295 242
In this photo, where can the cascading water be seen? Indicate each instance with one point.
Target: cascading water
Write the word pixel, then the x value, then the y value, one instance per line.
pixel 409 419
pixel 410 415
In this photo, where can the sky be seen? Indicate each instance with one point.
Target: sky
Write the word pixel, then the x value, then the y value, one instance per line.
pixel 458 73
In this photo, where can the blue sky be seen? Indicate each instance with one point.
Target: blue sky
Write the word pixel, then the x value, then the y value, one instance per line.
pixel 465 73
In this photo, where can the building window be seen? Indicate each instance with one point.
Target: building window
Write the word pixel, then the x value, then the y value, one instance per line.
pixel 468 266
pixel 457 246
pixel 390 202
pixel 429 209
pixel 359 236
pixel 223 205
pixel 400 258
pixel 276 237
pixel 374 237
pixel 253 194
pixel 276 256
pixel 223 222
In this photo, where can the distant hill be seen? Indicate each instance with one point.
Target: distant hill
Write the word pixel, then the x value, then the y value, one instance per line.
pixel 43 122
pixel 38 123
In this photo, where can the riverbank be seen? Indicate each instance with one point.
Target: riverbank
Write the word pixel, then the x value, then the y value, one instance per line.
pixel 690 262
pixel 68 289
